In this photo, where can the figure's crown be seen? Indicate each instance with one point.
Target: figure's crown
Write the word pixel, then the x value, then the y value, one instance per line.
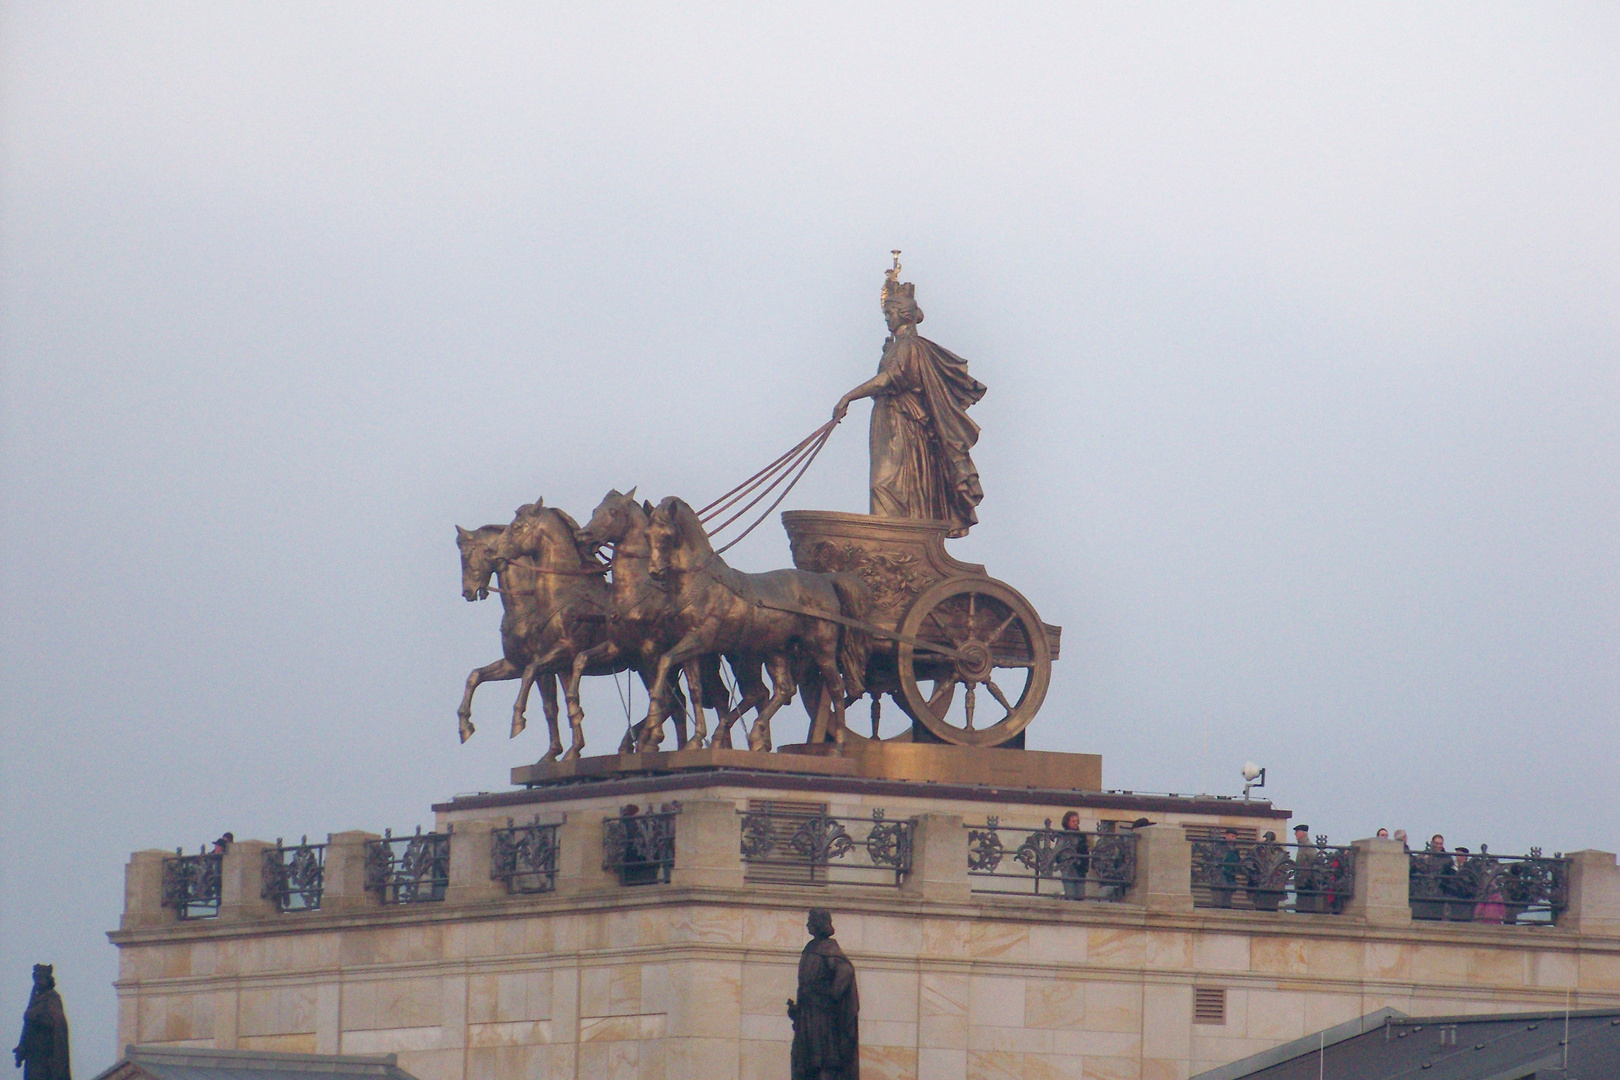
pixel 893 287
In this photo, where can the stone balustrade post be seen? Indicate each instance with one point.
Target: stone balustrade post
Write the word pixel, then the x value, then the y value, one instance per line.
pixel 471 858
pixel 708 845
pixel 143 891
pixel 343 884
pixel 1163 869
pixel 1594 894
pixel 241 885
pixel 1383 883
pixel 939 860
pixel 579 854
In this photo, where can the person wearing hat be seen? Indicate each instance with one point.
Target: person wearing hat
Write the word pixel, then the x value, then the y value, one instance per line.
pixel 1307 881
pixel 1225 878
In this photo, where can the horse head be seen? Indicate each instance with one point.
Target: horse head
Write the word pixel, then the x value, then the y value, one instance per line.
pixel 478 559
pixel 676 537
pixel 611 521
pixel 545 537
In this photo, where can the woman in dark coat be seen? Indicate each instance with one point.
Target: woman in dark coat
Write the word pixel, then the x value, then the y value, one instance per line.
pixel 826 1015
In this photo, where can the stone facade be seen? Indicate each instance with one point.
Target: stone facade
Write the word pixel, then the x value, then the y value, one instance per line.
pixel 688 979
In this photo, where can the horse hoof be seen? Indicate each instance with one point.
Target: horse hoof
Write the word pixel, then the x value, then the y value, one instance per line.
pixel 572 754
pixel 553 754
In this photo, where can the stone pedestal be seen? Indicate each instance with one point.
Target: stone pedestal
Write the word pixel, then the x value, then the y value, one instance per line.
pixel 707 836
pixel 938 860
pixel 470 881
pixel 1382 878
pixel 961 976
pixel 345 872
pixel 1163 869
pixel 1594 893
pixel 241 894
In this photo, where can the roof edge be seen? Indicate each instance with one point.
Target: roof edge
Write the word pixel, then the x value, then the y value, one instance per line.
pixel 1265 1059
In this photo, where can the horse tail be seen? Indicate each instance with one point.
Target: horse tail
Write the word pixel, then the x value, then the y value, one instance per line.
pixel 854 646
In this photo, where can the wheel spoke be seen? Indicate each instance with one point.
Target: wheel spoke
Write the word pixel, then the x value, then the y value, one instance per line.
pixel 1030 664
pixel 1002 629
pixel 995 692
pixel 967 704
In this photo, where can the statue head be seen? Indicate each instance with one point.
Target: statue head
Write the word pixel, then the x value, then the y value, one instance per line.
pixel 819 923
pixel 43 977
pixel 899 299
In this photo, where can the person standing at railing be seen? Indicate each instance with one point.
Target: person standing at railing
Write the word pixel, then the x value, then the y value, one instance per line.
pixel 1073 857
pixel 1308 897
pixel 1226 870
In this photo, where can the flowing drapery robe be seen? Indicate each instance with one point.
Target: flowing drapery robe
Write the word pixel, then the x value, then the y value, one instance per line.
pixel 826 1017
pixel 922 436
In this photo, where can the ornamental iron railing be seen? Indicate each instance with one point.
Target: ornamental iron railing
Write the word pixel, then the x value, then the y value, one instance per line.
pixel 782 847
pixel 409 869
pixel 294 876
pixel 524 857
pixel 640 847
pixel 1262 875
pixel 191 883
pixel 1068 863
pixel 1522 890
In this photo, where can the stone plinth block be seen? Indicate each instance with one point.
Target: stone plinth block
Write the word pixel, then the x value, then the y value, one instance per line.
pixel 939 853
pixel 241 889
pixel 579 855
pixel 344 876
pixel 143 891
pixel 708 845
pixel 1383 878
pixel 1163 869
pixel 1594 894
pixel 471 854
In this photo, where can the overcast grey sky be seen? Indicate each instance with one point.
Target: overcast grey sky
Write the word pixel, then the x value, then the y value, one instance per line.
pixel 1299 323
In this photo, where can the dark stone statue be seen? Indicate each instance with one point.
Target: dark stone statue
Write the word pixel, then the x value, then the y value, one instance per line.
pixel 42 1053
pixel 826 1016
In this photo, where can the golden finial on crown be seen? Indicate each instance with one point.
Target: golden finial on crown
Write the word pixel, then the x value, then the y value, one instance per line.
pixel 893 288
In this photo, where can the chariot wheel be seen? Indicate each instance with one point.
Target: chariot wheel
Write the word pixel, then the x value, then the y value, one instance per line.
pixel 993 684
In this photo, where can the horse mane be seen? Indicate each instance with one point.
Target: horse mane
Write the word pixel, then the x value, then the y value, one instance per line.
pixel 689 528
pixel 558 518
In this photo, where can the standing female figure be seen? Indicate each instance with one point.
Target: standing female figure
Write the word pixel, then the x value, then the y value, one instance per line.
pixel 921 433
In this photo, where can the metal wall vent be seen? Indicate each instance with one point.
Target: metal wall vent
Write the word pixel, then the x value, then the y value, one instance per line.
pixel 1209 1005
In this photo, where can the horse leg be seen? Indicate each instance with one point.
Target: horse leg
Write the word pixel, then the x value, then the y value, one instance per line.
pixel 751 695
pixel 759 736
pixel 520 707
pixel 659 691
pixel 499 671
pixel 832 684
pixel 548 701
pixel 598 657
pixel 694 692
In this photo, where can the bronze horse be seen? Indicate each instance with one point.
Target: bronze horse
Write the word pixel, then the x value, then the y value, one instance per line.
pixel 481 561
pixel 780 615
pixel 639 625
pixel 555 610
